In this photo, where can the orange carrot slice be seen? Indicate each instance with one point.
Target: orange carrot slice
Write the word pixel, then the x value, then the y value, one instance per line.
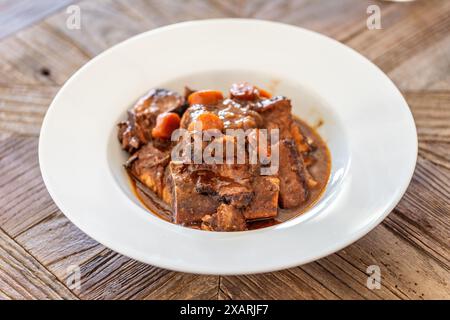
pixel 205 97
pixel 166 123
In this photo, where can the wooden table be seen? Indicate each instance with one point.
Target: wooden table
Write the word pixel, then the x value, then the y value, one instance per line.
pixel 38 245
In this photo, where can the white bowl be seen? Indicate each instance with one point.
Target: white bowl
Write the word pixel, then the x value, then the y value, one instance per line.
pixel 366 123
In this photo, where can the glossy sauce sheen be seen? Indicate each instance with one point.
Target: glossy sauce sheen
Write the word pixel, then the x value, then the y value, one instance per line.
pixel 320 170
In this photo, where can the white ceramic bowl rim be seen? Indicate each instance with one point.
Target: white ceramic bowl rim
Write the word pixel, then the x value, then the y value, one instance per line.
pixel 75 136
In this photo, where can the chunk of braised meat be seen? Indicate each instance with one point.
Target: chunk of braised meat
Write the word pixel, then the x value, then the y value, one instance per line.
pixel 264 204
pixel 192 113
pixel 197 191
pixel 304 145
pixel 137 130
pixel 293 191
pixel 243 91
pixel 167 195
pixel 189 206
pixel 306 148
pixel 247 91
pixel 148 165
pixel 238 185
pixel 238 116
pixel 226 218
pixel 228 183
pixel 276 114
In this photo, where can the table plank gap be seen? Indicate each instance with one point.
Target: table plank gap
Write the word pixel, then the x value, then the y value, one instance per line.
pixel 34 279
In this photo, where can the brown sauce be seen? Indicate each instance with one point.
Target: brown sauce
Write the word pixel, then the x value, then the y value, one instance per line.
pixel 320 170
pixel 151 201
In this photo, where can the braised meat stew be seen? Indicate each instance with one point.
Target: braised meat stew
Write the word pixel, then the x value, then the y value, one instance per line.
pixel 230 193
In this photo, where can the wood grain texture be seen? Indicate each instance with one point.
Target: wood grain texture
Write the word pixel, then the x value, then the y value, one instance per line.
pixel 38 245
pixel 17 14
pixel 419 45
pixel 110 275
pixel 23 277
pixel 24 200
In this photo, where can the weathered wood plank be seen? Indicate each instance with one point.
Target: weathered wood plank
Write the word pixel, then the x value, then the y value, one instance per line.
pixel 337 19
pixel 109 275
pixel 276 285
pixel 406 273
pixel 423 214
pixel 50 56
pixel 33 69
pixel 426 222
pixel 24 199
pixel 18 14
pixel 23 107
pixel 97 34
pixel 427 69
pixel 23 277
pixel 344 279
pixel 407 33
pixel 58 244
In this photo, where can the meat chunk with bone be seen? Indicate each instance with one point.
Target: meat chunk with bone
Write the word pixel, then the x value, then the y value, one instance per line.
pixel 198 190
pixel 276 113
pixel 189 206
pixel 228 183
pixel 264 204
pixel 293 190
